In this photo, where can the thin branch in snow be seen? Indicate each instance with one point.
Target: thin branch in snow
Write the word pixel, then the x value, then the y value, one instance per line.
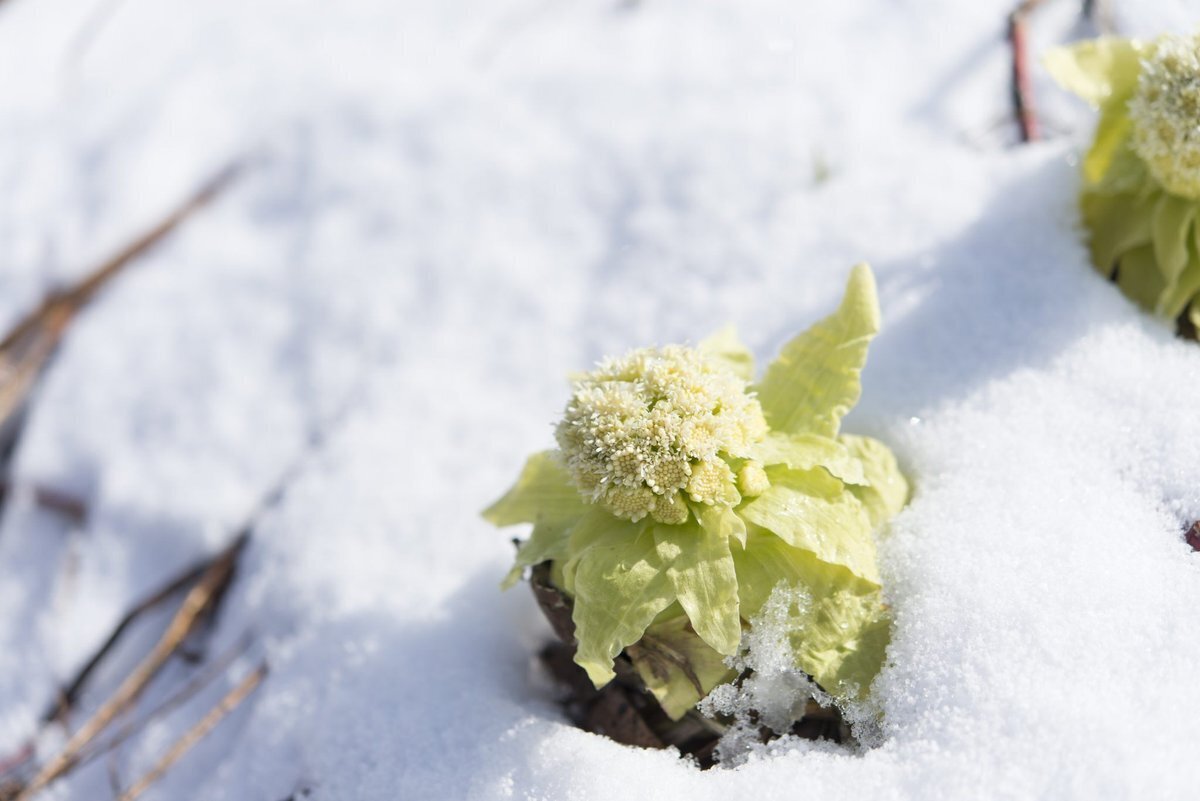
pixel 27 348
pixel 180 697
pixel 227 704
pixel 62 503
pixel 1022 85
pixel 58 711
pixel 196 604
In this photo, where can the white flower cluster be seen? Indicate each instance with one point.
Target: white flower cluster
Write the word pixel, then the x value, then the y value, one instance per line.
pixel 1165 111
pixel 641 430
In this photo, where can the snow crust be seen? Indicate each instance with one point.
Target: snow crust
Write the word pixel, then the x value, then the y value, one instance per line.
pixel 450 204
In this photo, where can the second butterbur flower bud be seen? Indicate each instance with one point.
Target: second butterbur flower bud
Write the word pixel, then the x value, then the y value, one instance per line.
pixel 1141 175
pixel 1165 109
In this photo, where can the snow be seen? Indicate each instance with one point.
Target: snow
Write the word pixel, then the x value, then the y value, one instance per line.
pixel 450 204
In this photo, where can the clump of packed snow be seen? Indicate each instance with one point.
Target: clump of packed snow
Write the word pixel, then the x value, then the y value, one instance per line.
pixel 772 693
pixel 448 206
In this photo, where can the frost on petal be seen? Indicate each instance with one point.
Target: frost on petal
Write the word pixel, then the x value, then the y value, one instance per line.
pixel 815 379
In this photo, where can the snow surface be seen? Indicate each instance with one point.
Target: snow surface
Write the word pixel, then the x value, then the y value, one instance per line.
pixel 453 203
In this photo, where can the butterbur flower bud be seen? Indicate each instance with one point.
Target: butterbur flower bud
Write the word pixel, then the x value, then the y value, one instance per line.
pixel 1141 175
pixel 656 421
pixel 1165 109
pixel 713 483
pixel 752 480
pixel 681 496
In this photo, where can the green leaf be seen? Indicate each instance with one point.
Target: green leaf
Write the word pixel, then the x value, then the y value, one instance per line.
pixel 808 451
pixel 699 566
pixel 841 638
pixel 1110 147
pixel 815 379
pixel 1100 70
pixel 725 346
pixel 620 586
pixel 596 526
pixel 814 511
pixel 886 489
pixel 543 494
pixel 678 667
pixel 850 665
pixel 1118 223
pixel 1172 228
pixel 548 542
pixel 1139 278
pixel 720 521
pixel 1118 169
pixel 1175 299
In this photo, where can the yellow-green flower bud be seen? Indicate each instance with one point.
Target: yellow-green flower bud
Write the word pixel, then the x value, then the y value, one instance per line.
pixel 640 428
pixel 713 483
pixel 1165 111
pixel 670 508
pixel 752 480
pixel 631 503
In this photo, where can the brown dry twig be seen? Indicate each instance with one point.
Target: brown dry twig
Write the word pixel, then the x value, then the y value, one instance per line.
pixel 70 693
pixel 26 349
pixel 227 704
pixel 196 603
pixel 173 702
pixel 62 503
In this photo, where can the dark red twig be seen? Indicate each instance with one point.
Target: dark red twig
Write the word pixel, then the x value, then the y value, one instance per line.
pixel 1022 85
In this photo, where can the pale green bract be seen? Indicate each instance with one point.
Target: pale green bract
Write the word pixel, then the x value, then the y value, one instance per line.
pixel 1141 175
pixel 789 501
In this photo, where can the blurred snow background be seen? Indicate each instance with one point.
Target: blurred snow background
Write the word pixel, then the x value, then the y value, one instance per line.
pixel 452 203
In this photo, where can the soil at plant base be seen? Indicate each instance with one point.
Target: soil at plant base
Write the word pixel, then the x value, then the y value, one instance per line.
pixel 625 711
